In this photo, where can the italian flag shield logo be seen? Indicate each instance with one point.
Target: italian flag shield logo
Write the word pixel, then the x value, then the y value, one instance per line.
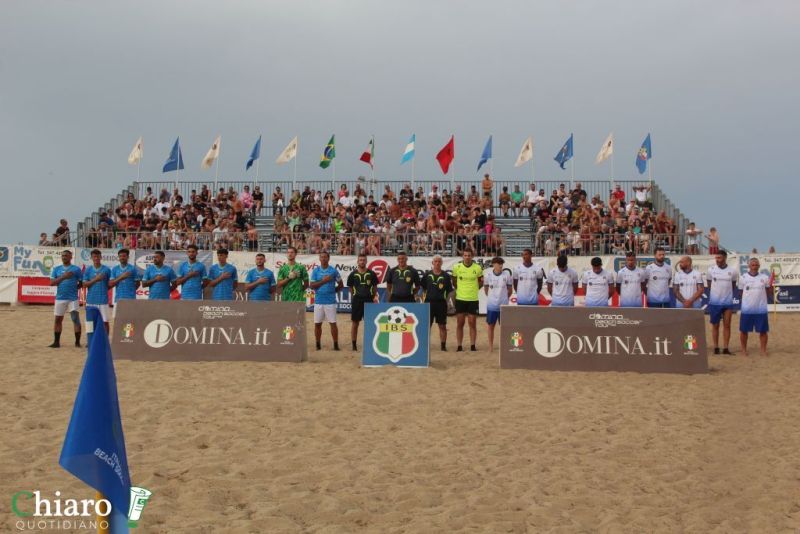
pixel 396 334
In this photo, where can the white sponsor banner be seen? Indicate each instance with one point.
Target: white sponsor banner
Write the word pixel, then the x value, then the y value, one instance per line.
pixel 38 291
pixel 8 290
pixel 83 257
pixel 26 260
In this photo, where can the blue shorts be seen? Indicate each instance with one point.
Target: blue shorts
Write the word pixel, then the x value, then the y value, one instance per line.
pixel 492 317
pixel 758 322
pixel 716 311
pixel 659 304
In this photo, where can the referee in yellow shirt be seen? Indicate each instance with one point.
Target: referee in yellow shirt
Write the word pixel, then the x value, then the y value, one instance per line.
pixel 468 280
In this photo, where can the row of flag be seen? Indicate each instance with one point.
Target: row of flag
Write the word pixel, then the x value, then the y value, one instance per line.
pixel 445 156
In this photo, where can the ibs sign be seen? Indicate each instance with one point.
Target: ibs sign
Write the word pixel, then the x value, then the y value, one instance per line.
pixel 396 334
pixel 646 340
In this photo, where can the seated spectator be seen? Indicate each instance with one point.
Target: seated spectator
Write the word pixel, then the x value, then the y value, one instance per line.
pixel 487 186
pixel 43 241
pixel 61 236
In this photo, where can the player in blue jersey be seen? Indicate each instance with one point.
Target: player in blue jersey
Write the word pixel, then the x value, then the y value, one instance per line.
pixel 159 278
pixel 124 279
pixel 260 281
pixel 756 288
pixel 67 279
pixel 95 279
pixel 223 277
pixel 326 282
pixel 191 276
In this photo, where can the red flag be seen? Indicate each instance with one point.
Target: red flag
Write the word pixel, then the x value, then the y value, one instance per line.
pixel 447 155
pixel 369 154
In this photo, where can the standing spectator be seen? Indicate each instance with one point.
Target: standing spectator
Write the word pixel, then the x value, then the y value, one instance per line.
pixel 756 288
pixel 713 241
pixel 43 241
pixel 487 185
pixel 692 241
pixel 687 284
pixel 61 236
pixel 640 193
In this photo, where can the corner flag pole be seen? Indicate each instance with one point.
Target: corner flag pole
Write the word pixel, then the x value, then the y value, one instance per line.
pixel 103 526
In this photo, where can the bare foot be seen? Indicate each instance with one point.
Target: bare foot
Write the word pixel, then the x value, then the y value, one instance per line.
pixel 744 352
pixel 764 353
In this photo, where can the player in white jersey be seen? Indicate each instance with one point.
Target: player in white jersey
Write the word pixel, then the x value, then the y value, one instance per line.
pixel 598 284
pixel 631 283
pixel 528 280
pixel 562 283
pixel 659 276
pixel 722 280
pixel 755 288
pixel 497 285
pixel 687 283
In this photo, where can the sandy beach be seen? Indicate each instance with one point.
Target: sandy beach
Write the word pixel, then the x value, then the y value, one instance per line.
pixel 326 446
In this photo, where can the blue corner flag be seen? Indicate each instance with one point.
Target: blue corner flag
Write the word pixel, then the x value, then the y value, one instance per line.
pixel 565 154
pixel 645 153
pixel 487 153
pixel 94 447
pixel 175 160
pixel 254 155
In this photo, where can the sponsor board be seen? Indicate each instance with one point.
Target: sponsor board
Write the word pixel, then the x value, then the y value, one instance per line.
pixel 396 334
pixel 35 290
pixel 603 339
pixel 209 331
pixel 25 260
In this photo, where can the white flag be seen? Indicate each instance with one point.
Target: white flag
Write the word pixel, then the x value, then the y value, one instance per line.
pixel 288 153
pixel 212 154
pixel 607 150
pixel 137 153
pixel 526 154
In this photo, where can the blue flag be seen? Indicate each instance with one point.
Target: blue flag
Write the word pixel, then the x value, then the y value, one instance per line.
pixel 255 154
pixel 94 447
pixel 411 148
pixel 487 153
pixel 645 153
pixel 175 160
pixel 565 154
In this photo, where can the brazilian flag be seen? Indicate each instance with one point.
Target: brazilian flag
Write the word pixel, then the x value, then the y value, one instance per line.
pixel 328 154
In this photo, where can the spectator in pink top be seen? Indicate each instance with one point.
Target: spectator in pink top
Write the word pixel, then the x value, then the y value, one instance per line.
pixel 246 198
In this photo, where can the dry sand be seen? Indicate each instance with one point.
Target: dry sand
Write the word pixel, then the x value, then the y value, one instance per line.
pixel 326 446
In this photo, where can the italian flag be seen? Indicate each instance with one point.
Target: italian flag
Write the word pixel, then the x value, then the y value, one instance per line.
pixel 368 156
pixel 395 341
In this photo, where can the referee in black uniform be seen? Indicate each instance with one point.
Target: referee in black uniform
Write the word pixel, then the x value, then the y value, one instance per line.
pixel 402 282
pixel 363 284
pixel 437 285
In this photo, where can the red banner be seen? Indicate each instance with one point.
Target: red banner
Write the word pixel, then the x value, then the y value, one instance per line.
pixel 35 290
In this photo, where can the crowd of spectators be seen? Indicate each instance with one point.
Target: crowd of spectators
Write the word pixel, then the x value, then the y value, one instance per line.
pixel 565 221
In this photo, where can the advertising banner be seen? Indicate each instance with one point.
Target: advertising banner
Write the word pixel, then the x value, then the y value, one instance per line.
pixel 152 330
pixel 25 260
pixel 9 289
pixel 603 339
pixel 35 290
pixel 396 334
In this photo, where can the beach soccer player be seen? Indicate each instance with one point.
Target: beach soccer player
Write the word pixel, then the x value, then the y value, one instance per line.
pixel 363 284
pixel 158 278
pixel 562 283
pixel 722 280
pixel 598 284
pixel 223 277
pixel 467 280
pixel 437 285
pixel 325 281
pixel 260 281
pixel 402 281
pixel 528 280
pixel 67 279
pixel 755 288
pixel 659 276
pixel 498 285
pixel 124 279
pixel 687 283
pixel 95 278
pixel 292 278
pixel 191 276
pixel 631 282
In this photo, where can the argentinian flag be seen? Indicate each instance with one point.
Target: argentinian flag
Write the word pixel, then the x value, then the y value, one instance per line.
pixel 408 155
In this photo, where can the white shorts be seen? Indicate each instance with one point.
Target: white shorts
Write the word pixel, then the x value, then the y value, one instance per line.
pixel 104 309
pixel 324 312
pixel 63 306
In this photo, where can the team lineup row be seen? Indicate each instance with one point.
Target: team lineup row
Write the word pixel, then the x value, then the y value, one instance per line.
pixel 655 284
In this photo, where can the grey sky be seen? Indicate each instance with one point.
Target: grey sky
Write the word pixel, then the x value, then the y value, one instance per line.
pixel 715 82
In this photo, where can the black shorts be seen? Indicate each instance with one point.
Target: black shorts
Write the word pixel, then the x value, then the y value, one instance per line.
pixel 395 298
pixel 467 306
pixel 357 308
pixel 438 311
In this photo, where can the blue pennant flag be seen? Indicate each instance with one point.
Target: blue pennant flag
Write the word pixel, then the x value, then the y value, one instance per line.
pixel 175 160
pixel 411 148
pixel 645 153
pixel 255 154
pixel 487 153
pixel 94 447
pixel 565 154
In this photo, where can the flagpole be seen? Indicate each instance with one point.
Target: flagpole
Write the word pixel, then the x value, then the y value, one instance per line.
pixel 294 177
pixel 103 526
pixel 572 172
pixel 413 186
pixel 452 163
pixel 216 169
pixel 612 165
